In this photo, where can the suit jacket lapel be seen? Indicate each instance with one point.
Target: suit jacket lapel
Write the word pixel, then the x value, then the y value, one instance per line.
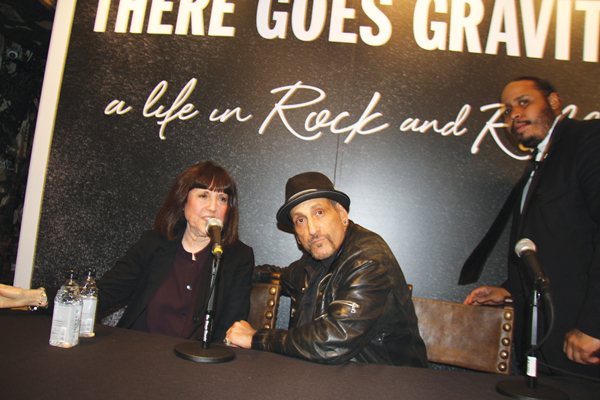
pixel 534 188
pixel 161 262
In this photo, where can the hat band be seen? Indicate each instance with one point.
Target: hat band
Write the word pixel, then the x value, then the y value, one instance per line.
pixel 300 194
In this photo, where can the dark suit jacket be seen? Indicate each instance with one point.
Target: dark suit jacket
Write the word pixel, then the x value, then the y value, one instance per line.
pixel 139 274
pixel 562 217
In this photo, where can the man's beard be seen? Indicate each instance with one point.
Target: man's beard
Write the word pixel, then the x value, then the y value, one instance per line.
pixel 321 257
pixel 543 122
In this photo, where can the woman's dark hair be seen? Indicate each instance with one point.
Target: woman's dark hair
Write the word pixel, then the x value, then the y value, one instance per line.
pixel 170 220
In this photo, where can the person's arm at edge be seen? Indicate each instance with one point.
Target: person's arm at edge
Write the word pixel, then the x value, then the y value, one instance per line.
pixel 14 297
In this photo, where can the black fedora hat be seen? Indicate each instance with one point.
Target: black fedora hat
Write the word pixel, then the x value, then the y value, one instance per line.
pixel 306 186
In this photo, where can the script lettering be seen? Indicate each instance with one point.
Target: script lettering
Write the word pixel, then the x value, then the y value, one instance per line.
pixel 171 114
pixel 316 121
pixel 116 106
pixel 491 126
pixel 450 128
pixel 228 114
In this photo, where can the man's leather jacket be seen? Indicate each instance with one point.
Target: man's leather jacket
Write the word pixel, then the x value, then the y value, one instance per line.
pixel 363 312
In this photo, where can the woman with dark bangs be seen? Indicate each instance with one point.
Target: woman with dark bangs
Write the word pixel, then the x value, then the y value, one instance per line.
pixel 166 274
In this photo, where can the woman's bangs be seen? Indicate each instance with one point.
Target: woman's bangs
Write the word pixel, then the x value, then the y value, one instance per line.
pixel 219 182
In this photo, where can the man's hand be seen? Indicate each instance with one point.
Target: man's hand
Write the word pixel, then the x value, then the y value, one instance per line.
pixel 487 295
pixel 581 348
pixel 240 334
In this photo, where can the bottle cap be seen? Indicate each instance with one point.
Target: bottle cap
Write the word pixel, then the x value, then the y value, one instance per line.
pixel 72 274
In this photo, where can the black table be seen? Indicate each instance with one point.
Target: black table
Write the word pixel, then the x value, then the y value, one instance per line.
pixel 124 364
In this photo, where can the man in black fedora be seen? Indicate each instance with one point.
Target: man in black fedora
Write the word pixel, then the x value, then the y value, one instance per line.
pixel 350 301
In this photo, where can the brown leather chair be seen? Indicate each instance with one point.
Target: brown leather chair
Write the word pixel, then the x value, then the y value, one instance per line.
pixel 473 337
pixel 264 302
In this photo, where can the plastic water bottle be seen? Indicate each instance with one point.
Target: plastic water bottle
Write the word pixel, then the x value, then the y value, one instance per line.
pixel 89 297
pixel 67 313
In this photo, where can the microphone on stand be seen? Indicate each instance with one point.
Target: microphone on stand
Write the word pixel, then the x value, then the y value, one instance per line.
pixel 213 228
pixel 205 351
pixel 526 251
pixel 530 389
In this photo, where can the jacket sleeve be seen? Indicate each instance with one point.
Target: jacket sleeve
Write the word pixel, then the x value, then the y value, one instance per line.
pixel 236 305
pixel 589 182
pixel 118 283
pixel 349 323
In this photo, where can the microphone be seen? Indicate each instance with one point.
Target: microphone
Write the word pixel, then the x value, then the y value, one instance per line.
pixel 203 351
pixel 213 228
pixel 526 249
pixel 531 389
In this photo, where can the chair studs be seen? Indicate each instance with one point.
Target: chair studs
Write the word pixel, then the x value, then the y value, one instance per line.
pixel 264 302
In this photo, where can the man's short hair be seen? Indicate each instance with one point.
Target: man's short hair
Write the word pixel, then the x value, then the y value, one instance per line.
pixel 545 87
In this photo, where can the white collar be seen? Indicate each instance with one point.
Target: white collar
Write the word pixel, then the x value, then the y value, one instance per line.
pixel 542 147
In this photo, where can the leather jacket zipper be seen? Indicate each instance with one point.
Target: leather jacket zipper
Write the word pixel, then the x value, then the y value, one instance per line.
pixel 353 306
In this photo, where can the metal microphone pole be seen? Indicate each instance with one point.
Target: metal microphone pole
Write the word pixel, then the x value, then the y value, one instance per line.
pixel 532 359
pixel 210 307
pixel 530 389
pixel 207 352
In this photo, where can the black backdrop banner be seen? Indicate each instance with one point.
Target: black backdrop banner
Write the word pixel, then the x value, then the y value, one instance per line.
pixel 395 100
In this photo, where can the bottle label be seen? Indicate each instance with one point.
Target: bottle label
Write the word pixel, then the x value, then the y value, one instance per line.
pixel 88 314
pixel 65 325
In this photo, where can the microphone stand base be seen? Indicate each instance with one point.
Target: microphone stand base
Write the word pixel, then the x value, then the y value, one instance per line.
pixel 193 351
pixel 520 390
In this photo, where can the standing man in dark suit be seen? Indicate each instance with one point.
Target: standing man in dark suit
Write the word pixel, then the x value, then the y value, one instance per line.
pixel 559 210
